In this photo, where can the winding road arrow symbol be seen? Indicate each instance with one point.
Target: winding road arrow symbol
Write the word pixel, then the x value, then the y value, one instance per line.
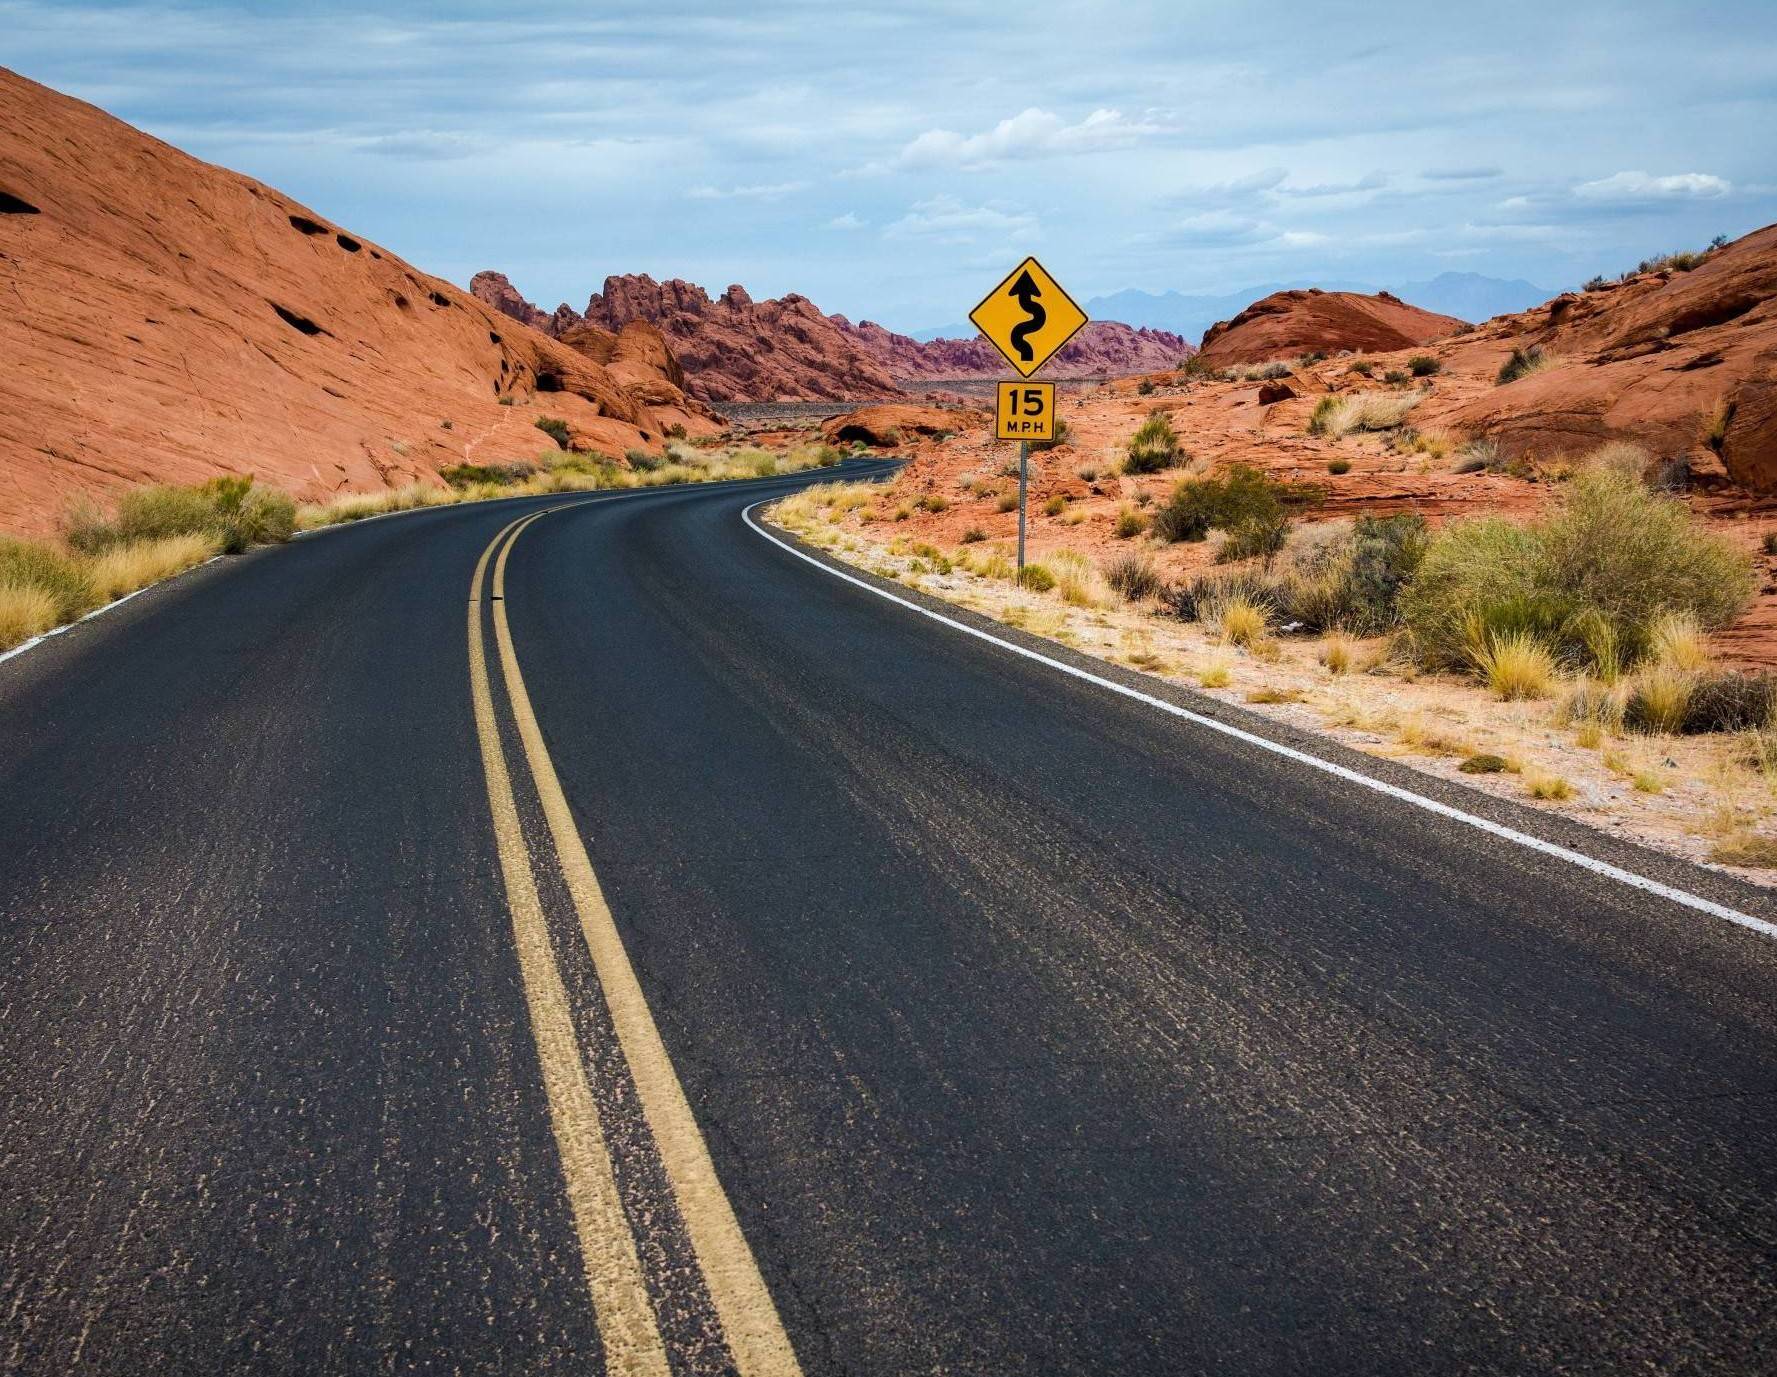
pixel 1026 293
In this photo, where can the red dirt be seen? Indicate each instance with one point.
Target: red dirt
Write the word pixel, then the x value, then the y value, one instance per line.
pixel 168 320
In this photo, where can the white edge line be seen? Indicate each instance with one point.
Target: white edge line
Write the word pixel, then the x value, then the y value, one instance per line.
pixel 1431 805
pixel 23 646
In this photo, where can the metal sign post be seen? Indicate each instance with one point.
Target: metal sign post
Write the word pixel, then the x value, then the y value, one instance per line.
pixel 1028 317
pixel 1023 486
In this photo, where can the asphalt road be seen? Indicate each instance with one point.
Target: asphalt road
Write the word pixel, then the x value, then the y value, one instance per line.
pixel 1021 1028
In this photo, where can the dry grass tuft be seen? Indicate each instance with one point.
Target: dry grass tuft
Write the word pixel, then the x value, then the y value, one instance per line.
pixel 1078 581
pixel 1238 620
pixel 1336 416
pixel 1549 787
pixel 25 611
pixel 1677 642
pixel 1338 653
pixel 125 568
pixel 1516 665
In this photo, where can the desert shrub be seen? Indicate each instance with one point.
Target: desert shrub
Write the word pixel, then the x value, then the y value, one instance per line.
pixel 1261 535
pixel 1129 523
pixel 1597 283
pixel 1055 506
pixel 1515 664
pixel 1769 543
pixel 1362 367
pixel 1006 502
pixel 1483 763
pixel 974 536
pixel 468 475
pixel 934 502
pixel 505 401
pixel 1676 641
pixel 1153 447
pixel 1523 362
pixel 1338 653
pixel 1145 387
pixel 1196 599
pixel 1338 466
pixel 642 461
pixel 27 564
pixel 1611 554
pixel 1729 701
pixel 556 429
pixel 1394 377
pixel 1423 365
pixel 1594 702
pixel 1240 497
pixel 1036 578
pixel 1133 576
pixel 1552 788
pixel 1240 621
pixel 125 568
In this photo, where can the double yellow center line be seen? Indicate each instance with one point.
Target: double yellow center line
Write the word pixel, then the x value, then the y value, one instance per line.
pixel 626 1318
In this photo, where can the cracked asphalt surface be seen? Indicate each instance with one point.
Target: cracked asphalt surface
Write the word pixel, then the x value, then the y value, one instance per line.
pixel 1030 1030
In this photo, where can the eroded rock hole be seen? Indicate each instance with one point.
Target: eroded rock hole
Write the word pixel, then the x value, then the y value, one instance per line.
pixel 492 337
pixel 548 382
pixel 346 242
pixel 297 322
pixel 306 225
pixel 439 299
pixel 11 205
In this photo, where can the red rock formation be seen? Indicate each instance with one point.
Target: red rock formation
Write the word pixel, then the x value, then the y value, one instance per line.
pixel 1287 324
pixel 166 319
pixel 895 424
pixel 736 349
pixel 1651 360
pixel 1104 349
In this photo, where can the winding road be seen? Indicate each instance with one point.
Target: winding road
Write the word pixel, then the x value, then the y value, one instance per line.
pixel 582 934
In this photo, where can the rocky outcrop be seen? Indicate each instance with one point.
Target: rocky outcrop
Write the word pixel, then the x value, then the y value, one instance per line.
pixel 168 320
pixel 736 349
pixel 885 427
pixel 1289 324
pixel 1683 363
pixel 1104 349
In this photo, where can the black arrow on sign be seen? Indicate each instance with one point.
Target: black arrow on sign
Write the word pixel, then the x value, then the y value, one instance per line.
pixel 1026 292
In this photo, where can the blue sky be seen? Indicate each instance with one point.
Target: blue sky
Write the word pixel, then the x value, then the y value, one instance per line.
pixel 891 160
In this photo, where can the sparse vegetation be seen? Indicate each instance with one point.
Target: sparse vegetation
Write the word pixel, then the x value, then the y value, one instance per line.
pixel 556 429
pixel 1153 447
pixel 1423 365
pixel 1515 664
pixel 1243 502
pixel 1338 467
pixel 1523 362
pixel 1036 578
pixel 1483 763
pixel 1713 427
pixel 1133 576
pixel 1129 523
pixel 1610 550
pixel 1061 435
pixel 1055 506
pixel 1337 416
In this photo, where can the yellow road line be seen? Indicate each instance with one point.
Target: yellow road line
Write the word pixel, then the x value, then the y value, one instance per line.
pixel 625 1316
pixel 750 1321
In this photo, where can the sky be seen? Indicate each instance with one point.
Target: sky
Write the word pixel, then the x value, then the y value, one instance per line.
pixel 893 160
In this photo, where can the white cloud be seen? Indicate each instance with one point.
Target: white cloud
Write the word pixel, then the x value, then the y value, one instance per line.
pixel 848 221
pixel 1639 186
pixel 949 221
pixel 1032 133
pixel 766 192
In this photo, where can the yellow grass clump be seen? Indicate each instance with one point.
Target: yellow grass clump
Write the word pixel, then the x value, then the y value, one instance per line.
pixel 125 568
pixel 25 611
pixel 1516 665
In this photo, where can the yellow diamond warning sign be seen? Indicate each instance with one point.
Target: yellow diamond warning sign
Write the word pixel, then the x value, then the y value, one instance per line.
pixel 1028 317
pixel 1026 411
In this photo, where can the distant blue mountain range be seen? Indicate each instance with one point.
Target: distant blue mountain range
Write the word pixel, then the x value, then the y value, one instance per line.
pixel 1468 296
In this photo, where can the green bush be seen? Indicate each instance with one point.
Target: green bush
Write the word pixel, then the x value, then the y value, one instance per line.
pixel 1036 578
pixel 1145 387
pixel 1362 367
pixel 1242 496
pixel 468 475
pixel 556 429
pixel 1194 599
pixel 232 508
pixel 1338 466
pixel 1730 702
pixel 1597 572
pixel 1255 537
pixel 1394 377
pixel 40 566
pixel 1423 365
pixel 1154 447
